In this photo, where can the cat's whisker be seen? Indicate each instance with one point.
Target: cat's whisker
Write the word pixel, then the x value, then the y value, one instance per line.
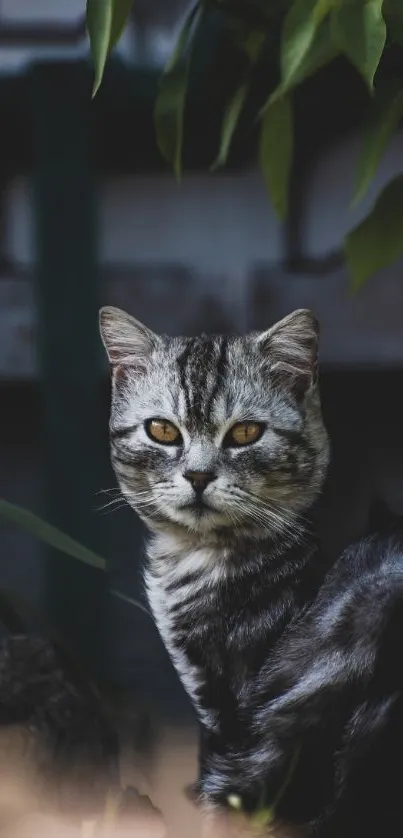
pixel 272 513
pixel 114 489
pixel 138 499
pixel 116 502
pixel 280 523
pixel 104 511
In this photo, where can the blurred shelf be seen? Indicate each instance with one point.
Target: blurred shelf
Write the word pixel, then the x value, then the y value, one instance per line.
pixel 358 331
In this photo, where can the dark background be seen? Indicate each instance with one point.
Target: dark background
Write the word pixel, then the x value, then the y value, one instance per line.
pixel 90 215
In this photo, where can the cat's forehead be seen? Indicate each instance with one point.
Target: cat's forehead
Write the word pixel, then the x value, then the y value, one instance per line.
pixel 209 369
pixel 206 380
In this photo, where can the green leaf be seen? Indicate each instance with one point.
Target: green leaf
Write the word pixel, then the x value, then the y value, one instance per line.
pixel 229 123
pixel 389 112
pixel 266 814
pixel 321 52
pixel 300 27
pixel 276 152
pixel 251 42
pixel 264 817
pixel 130 601
pixel 171 99
pixel 106 20
pixel 55 538
pixel 378 241
pixel 50 535
pixel 359 31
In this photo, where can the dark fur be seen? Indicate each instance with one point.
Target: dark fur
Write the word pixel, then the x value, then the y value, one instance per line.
pixel 333 693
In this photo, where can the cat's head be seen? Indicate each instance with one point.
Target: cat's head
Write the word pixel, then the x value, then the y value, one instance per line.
pixel 216 433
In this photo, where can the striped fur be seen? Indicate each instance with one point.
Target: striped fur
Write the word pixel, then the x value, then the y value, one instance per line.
pixel 224 582
pixel 274 653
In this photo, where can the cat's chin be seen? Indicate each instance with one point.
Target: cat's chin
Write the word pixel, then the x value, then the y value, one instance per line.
pixel 200 519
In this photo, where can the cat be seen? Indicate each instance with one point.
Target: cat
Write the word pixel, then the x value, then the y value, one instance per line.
pixel 219 445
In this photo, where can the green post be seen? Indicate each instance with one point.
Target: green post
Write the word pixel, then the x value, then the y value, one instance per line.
pixel 67 303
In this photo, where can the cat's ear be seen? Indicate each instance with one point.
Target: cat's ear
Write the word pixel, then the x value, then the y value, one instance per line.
pixel 127 342
pixel 291 350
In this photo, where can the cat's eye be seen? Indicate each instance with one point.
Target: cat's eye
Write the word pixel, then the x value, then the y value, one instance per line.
pixel 244 433
pixel 160 430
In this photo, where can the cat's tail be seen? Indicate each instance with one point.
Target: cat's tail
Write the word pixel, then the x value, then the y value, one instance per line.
pixel 384 520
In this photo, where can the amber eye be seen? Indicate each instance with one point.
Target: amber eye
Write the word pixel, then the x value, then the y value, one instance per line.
pixel 163 431
pixel 244 433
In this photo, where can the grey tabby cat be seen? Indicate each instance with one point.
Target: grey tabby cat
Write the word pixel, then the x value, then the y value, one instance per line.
pixel 218 443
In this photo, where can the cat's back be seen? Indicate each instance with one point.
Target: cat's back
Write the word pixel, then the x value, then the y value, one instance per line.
pixel 358 614
pixel 376 557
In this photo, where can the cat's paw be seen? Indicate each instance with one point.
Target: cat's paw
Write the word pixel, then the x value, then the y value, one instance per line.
pixel 231 782
pixel 244 781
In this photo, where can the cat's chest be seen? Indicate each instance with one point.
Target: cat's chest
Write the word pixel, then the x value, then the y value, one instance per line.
pixel 185 600
pixel 204 605
pixel 184 596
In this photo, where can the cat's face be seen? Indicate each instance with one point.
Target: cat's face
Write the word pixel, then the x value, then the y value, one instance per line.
pixel 215 432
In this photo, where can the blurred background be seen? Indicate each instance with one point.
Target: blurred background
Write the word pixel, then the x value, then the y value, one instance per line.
pixel 90 215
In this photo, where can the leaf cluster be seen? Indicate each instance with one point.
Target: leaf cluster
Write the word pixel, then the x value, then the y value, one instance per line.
pixel 303 36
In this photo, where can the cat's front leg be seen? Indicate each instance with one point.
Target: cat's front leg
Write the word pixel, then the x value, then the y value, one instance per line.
pixel 288 739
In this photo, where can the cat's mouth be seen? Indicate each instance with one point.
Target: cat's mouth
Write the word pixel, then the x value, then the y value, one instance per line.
pixel 199 506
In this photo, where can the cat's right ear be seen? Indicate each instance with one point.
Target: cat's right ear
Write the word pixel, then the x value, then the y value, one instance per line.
pixel 290 349
pixel 127 342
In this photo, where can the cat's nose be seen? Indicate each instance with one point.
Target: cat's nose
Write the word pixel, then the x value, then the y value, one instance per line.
pixel 199 479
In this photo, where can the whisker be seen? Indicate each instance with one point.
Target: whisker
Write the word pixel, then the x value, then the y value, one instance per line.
pixel 271 515
pixel 108 491
pixel 104 511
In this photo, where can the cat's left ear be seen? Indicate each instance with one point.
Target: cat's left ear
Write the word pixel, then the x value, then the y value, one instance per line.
pixel 290 348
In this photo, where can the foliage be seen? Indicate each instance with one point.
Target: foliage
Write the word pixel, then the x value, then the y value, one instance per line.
pixel 106 20
pixel 59 540
pixel 306 36
pixel 377 241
